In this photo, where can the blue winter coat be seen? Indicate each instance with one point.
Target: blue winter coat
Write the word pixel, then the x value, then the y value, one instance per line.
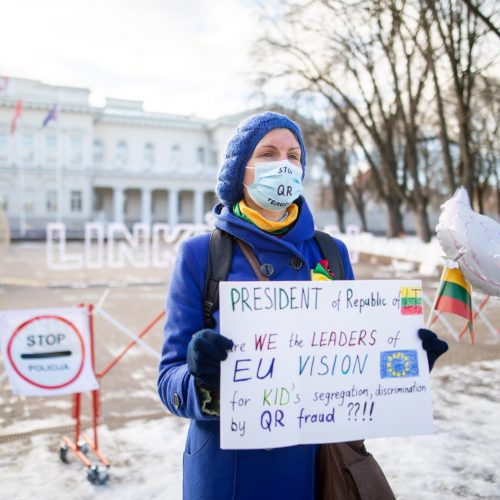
pixel 209 472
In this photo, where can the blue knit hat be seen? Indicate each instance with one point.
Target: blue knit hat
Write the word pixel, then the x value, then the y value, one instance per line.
pixel 241 147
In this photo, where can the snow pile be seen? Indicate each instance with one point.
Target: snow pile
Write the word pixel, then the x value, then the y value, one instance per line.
pixel 460 460
pixel 428 256
pixel 146 462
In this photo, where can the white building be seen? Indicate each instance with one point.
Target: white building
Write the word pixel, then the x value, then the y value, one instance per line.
pixel 117 163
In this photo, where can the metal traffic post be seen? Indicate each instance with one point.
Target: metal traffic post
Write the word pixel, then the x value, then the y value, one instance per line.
pixel 97 473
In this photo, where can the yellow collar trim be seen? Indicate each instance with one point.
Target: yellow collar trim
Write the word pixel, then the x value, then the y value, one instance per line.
pixel 266 224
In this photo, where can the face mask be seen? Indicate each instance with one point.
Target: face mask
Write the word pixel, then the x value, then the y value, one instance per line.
pixel 276 185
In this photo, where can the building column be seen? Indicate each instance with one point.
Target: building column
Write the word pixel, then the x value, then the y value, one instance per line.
pixel 118 202
pixel 146 206
pixel 198 207
pixel 17 165
pixel 90 208
pixel 10 150
pixel 173 207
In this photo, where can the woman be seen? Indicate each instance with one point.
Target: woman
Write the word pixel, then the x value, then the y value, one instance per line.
pixel 260 186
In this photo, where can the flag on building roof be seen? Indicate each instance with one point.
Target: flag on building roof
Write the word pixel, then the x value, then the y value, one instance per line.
pixel 18 111
pixel 456 296
pixel 51 115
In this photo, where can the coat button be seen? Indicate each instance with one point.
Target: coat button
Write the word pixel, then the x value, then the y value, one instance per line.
pixel 176 400
pixel 297 263
pixel 267 270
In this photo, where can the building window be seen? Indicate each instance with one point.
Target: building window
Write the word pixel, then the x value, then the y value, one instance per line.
pixel 4 202
pixel 215 157
pixel 98 201
pixel 98 152
pixel 4 146
pixel 76 150
pixel 76 201
pixel 51 201
pixel 149 154
pixel 121 153
pixel 200 155
pixel 175 156
pixel 29 202
pixel 51 148
pixel 28 148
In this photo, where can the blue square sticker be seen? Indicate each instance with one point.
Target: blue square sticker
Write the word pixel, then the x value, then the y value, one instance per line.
pixel 398 364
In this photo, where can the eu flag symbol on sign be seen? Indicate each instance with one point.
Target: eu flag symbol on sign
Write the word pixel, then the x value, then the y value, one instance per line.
pixel 397 364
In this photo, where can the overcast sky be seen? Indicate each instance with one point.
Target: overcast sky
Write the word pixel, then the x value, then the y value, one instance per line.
pixel 178 56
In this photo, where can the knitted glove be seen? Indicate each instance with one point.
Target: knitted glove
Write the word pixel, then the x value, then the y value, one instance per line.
pixel 205 351
pixel 432 345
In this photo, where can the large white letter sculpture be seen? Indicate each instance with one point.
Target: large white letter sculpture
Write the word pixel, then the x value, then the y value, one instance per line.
pixel 145 246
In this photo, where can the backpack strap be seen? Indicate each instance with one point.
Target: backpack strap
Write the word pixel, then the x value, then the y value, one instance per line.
pixel 220 256
pixel 252 260
pixel 331 253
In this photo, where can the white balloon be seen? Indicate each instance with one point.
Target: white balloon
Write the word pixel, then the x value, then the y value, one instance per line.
pixel 471 240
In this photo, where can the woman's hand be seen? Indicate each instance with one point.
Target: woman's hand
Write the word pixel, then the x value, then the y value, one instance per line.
pixel 433 345
pixel 206 350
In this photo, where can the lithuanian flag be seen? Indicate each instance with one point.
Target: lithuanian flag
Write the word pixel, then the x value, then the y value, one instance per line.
pixel 455 296
pixel 411 300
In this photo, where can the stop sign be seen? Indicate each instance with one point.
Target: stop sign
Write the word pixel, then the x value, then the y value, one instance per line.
pixel 47 351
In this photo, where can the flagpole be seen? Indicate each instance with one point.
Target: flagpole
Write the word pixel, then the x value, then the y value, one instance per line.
pixel 22 214
pixel 436 298
pixel 478 313
pixel 439 316
pixel 60 156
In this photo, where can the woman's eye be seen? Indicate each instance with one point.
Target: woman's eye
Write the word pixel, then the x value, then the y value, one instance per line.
pixel 293 156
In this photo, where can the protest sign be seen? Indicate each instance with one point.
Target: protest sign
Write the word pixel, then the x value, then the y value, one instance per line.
pixel 47 351
pixel 322 362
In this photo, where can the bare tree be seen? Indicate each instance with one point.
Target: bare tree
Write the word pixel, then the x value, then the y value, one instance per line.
pixel 429 49
pixel 402 75
pixel 330 142
pixel 333 143
pixel 486 138
pixel 458 32
pixel 360 190
pixel 362 59
pixel 487 19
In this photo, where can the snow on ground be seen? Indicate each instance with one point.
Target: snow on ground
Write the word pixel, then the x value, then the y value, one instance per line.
pixel 460 460
pixel 409 249
pixel 146 458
